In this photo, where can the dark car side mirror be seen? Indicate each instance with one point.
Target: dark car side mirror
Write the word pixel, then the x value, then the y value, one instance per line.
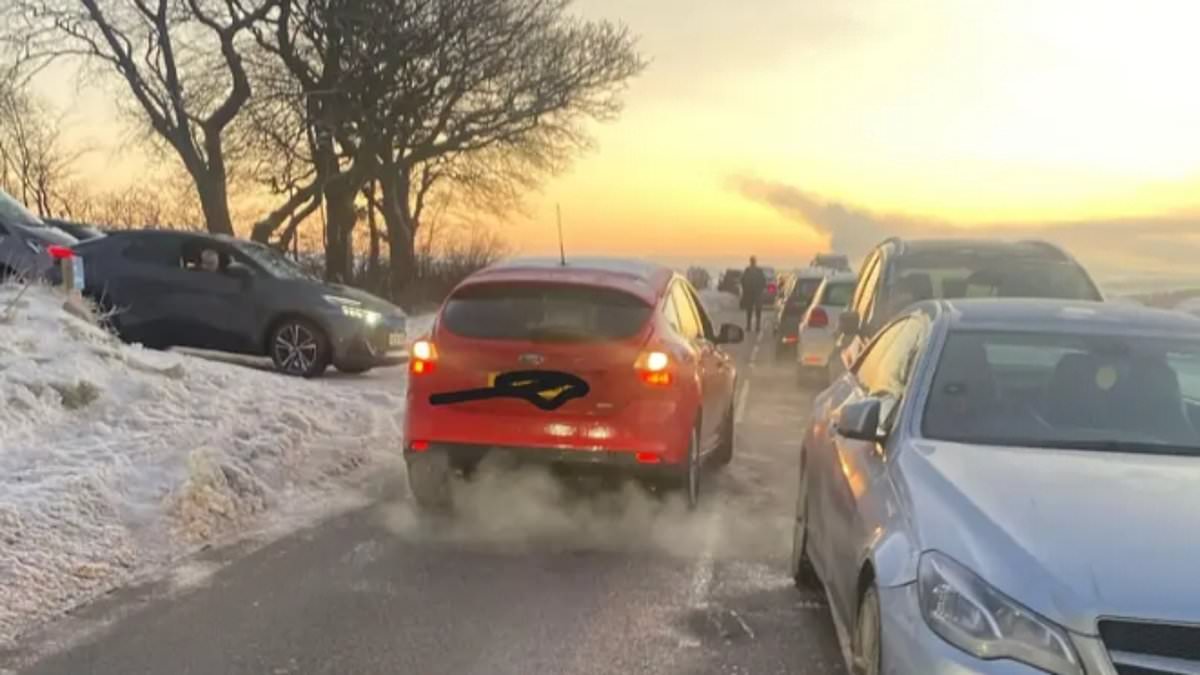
pixel 859 421
pixel 849 323
pixel 731 334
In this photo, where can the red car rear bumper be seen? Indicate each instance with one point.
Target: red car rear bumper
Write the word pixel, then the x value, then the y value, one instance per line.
pixel 646 432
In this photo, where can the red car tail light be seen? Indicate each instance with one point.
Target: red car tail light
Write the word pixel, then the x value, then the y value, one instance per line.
pixel 653 368
pixel 648 458
pixel 789 339
pixel 418 446
pixel 60 252
pixel 423 357
pixel 817 318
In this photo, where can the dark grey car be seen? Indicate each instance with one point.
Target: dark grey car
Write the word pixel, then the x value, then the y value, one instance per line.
pixel 166 289
pixel 26 242
pixel 899 273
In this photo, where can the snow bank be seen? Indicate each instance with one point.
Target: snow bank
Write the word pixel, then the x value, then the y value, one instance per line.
pixel 114 459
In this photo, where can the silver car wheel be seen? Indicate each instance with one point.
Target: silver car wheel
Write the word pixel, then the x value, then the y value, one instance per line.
pixel 296 349
pixel 867 650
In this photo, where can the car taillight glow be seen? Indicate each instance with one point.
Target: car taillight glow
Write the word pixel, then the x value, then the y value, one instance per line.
pixel 418 446
pixel 648 458
pixel 789 339
pixel 817 318
pixel 60 252
pixel 653 368
pixel 424 356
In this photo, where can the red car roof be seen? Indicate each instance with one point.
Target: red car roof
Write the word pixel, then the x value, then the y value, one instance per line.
pixel 646 281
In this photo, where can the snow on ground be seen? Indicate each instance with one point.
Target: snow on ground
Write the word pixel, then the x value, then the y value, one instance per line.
pixel 115 459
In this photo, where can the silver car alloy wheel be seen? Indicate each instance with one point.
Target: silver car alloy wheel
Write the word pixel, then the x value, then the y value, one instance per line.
pixel 295 348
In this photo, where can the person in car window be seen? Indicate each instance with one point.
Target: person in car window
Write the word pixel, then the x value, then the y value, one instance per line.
pixel 210 260
pixel 753 284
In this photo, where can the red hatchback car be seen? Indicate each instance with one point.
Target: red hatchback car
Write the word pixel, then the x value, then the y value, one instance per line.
pixel 598 361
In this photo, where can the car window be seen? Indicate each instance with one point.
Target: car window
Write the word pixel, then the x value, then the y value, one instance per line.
pixel 162 251
pixel 706 326
pixel 870 368
pixel 803 291
pixel 544 313
pixel 866 287
pixel 970 275
pixel 837 294
pixel 1087 391
pixel 671 313
pixel 689 322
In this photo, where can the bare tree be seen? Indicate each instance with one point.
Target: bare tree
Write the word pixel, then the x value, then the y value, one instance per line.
pixel 314 43
pixel 484 95
pixel 180 59
pixel 35 167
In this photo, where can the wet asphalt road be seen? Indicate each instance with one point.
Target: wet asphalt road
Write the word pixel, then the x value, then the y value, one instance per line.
pixel 536 578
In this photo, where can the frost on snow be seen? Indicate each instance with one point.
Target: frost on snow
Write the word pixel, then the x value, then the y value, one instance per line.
pixel 114 458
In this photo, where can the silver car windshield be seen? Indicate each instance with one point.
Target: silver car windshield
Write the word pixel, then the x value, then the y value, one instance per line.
pixel 1087 392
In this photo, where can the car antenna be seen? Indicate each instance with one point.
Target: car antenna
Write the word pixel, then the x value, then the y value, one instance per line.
pixel 562 254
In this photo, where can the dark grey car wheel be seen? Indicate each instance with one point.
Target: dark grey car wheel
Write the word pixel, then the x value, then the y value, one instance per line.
pixel 299 348
pixel 803 574
pixel 429 477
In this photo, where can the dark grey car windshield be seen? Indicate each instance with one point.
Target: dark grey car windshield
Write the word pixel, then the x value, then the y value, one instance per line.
pixel 275 263
pixel 544 313
pixel 1098 392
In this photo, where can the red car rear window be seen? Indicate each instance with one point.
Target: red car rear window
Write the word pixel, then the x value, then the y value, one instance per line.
pixel 544 313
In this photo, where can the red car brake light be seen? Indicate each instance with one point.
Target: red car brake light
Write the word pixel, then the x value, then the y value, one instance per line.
pixel 653 368
pixel 817 318
pixel 60 252
pixel 422 358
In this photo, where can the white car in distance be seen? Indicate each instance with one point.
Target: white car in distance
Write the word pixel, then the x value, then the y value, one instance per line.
pixel 815 341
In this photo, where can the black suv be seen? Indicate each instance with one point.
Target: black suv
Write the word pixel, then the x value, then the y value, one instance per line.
pixel 165 288
pixel 898 273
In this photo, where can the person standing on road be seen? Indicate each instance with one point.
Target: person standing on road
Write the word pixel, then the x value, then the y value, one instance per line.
pixel 754 282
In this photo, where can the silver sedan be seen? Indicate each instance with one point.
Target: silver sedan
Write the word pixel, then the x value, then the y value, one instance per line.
pixel 1010 487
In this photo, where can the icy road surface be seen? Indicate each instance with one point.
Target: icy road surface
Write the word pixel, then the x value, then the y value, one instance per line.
pixel 536 577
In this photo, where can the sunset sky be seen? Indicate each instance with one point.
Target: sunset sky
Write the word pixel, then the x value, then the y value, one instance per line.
pixel 784 126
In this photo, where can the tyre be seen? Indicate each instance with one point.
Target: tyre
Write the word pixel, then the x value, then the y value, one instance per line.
pixel 354 370
pixel 866 651
pixel 804 576
pixel 429 481
pixel 723 455
pixel 299 347
pixel 692 470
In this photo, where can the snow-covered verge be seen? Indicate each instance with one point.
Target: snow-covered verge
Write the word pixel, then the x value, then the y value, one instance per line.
pixel 115 459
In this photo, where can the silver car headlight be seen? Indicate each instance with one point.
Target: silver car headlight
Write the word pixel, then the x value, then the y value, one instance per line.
pixel 354 309
pixel 980 620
